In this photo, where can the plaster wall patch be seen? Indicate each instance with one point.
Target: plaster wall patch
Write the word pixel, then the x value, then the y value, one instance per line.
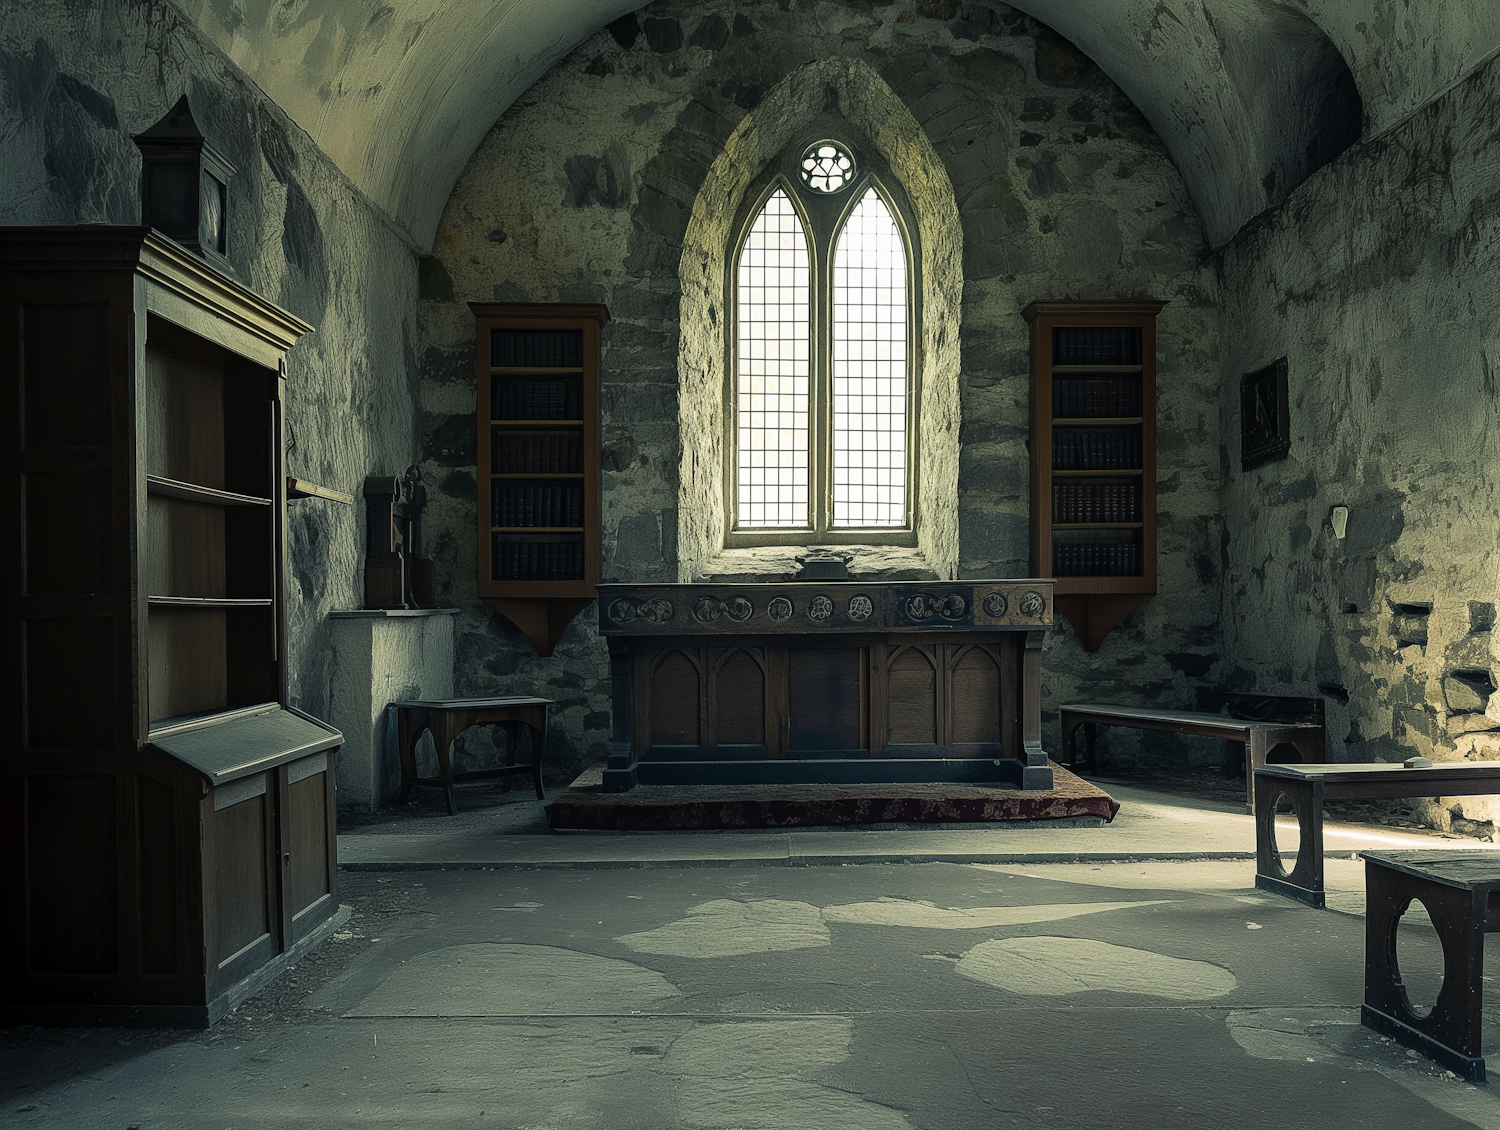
pixel 1048 966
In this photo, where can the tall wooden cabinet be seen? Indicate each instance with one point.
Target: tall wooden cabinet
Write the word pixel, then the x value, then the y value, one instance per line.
pixel 167 820
pixel 537 404
pixel 1093 458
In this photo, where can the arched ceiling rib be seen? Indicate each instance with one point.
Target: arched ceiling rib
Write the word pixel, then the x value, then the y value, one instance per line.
pixel 399 93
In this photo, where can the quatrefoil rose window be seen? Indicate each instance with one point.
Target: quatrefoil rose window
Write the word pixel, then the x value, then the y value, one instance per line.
pixel 827 167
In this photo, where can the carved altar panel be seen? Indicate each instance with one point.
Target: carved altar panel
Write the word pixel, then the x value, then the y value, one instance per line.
pixel 676 706
pixel 911 697
pixel 827 690
pixel 739 699
pixel 975 694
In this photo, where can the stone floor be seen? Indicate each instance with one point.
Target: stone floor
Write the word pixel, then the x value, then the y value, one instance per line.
pixel 593 981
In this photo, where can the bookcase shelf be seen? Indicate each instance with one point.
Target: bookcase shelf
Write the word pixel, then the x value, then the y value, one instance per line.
pixel 1093 458
pixel 190 492
pixel 538 427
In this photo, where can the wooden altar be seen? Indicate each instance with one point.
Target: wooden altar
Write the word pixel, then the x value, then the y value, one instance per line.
pixel 843 681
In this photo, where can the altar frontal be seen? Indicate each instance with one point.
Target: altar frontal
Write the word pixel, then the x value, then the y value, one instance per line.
pixel 827 682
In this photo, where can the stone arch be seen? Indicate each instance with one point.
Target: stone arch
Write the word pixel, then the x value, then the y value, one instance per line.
pixel 852 89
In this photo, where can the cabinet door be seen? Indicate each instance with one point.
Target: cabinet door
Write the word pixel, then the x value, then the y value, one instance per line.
pixel 239 877
pixel 308 846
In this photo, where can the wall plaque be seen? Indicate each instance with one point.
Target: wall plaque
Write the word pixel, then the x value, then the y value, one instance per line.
pixel 1265 424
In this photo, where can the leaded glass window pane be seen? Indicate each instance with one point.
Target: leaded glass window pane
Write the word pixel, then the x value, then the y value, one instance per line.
pixel 772 379
pixel 869 369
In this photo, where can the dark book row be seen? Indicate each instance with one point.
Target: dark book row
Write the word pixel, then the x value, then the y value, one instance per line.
pixel 536 400
pixel 512 505
pixel 536 453
pixel 1095 451
pixel 538 561
pixel 1096 559
pixel 1075 397
pixel 1096 345
pixel 1095 502
pixel 538 349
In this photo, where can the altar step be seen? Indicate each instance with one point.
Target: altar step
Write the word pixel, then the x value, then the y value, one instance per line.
pixel 647 807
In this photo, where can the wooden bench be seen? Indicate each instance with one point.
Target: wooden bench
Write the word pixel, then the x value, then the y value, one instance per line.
pixel 1306 787
pixel 1251 742
pixel 1461 891
pixel 447 718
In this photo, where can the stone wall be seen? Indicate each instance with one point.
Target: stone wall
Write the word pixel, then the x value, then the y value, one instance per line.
pixel 585 191
pixel 1377 281
pixel 77 78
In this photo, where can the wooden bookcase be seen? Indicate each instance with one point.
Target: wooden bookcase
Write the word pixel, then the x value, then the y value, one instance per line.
pixel 167 820
pixel 1093 458
pixel 537 404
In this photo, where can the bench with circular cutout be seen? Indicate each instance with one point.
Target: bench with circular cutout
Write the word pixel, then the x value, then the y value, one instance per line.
pixel 1306 787
pixel 1461 893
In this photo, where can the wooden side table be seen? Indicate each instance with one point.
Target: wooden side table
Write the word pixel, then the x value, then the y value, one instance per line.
pixel 1461 891
pixel 447 718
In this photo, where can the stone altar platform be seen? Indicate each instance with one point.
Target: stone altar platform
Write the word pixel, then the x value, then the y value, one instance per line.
pixel 1071 801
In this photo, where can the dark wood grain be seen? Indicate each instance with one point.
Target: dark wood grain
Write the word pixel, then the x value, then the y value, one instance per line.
pixel 235 866
pixel 976 696
pixel 307 873
pixel 826 701
pixel 675 700
pixel 71 893
pixel 740 693
pixel 912 698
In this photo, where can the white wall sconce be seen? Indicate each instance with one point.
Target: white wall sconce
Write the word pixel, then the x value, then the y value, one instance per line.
pixel 1339 519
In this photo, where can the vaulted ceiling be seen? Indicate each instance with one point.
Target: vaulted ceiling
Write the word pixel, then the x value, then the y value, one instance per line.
pixel 1250 96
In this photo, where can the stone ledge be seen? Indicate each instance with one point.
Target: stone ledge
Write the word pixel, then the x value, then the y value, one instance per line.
pixel 779 563
pixel 372 613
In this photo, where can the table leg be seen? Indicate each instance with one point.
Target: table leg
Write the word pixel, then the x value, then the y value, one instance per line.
pixel 407 733
pixel 512 744
pixel 443 736
pixel 1091 745
pixel 1234 757
pixel 1450 1033
pixel 1305 881
pixel 1256 750
pixel 1070 739
pixel 538 747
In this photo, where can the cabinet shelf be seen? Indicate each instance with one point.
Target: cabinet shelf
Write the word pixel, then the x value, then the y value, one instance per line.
pixel 190 492
pixel 535 423
pixel 538 475
pixel 540 370
pixel 209 602
pixel 1100 369
pixel 536 529
pixel 1094 604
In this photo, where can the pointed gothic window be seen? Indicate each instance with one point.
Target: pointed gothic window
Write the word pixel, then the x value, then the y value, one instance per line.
pixel 822 367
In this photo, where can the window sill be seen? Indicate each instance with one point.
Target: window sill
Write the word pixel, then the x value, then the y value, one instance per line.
pixel 779 563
